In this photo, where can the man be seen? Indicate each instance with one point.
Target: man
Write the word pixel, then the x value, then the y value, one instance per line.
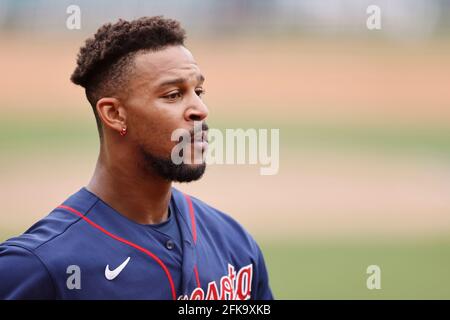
pixel 129 234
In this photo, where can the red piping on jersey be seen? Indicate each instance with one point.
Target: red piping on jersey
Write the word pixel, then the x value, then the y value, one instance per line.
pixel 197 277
pixel 191 213
pixel 163 266
pixel 194 233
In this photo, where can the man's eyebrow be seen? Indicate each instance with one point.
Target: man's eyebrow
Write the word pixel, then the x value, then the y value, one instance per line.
pixel 200 79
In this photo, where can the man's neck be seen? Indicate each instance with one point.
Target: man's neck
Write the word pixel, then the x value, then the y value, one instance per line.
pixel 139 196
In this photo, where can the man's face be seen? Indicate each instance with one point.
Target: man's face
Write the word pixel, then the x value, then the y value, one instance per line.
pixel 164 94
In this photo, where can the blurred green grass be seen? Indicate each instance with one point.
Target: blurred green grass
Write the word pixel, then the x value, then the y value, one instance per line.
pixel 29 135
pixel 337 269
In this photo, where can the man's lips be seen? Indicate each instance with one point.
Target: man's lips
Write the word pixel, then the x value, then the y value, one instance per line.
pixel 200 140
pixel 200 137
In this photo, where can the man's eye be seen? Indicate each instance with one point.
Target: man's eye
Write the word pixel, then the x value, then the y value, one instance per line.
pixel 173 95
pixel 200 92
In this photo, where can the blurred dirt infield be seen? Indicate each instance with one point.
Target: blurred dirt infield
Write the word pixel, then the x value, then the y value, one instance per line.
pixel 277 78
pixel 317 192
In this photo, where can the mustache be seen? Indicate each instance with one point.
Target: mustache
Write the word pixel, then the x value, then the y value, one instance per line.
pixel 205 127
pixel 195 133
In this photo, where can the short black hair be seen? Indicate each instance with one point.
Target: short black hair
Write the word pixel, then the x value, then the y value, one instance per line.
pixel 105 60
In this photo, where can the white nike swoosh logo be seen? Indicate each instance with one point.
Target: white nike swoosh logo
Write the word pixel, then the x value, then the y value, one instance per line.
pixel 111 274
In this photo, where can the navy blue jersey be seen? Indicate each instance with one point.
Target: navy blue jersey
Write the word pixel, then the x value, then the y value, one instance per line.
pixel 84 249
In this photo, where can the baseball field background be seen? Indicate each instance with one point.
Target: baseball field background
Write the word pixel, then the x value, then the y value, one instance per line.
pixel 364 119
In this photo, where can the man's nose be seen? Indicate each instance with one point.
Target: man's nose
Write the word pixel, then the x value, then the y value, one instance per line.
pixel 197 109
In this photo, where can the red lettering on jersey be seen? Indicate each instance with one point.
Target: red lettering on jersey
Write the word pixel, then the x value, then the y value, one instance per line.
pixel 244 282
pixel 226 288
pixel 198 294
pixel 212 293
pixel 232 286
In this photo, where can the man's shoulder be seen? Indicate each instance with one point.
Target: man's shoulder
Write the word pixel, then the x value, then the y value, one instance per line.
pixel 51 228
pixel 44 231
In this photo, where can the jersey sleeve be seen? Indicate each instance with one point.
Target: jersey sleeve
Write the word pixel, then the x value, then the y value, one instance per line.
pixel 23 275
pixel 261 288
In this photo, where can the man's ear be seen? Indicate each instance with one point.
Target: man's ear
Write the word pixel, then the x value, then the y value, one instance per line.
pixel 112 113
